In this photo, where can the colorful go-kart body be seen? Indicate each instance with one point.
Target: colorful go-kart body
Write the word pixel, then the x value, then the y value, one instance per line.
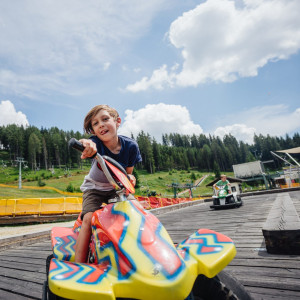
pixel 134 257
pixel 131 254
pixel 225 198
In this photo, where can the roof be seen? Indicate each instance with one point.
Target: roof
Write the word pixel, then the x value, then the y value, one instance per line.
pixel 230 179
pixel 292 150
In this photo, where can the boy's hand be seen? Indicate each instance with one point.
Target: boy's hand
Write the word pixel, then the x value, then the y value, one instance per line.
pixel 90 148
pixel 132 179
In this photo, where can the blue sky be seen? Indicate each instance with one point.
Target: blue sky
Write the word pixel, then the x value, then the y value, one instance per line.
pixel 211 67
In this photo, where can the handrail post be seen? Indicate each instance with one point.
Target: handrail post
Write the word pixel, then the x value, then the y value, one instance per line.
pixel 15 207
pixel 64 212
pixel 40 208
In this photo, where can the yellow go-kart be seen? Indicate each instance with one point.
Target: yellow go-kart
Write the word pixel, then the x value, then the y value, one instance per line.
pixel 133 257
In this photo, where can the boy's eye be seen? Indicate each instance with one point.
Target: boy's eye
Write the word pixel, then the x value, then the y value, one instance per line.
pixel 95 123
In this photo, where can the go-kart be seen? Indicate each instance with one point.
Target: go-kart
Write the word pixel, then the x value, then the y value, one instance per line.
pixel 224 198
pixel 132 256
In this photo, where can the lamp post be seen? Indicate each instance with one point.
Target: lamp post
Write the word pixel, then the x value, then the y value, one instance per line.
pixel 20 160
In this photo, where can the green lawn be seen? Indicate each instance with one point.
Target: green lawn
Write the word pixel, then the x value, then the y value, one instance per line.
pixel 12 193
pixel 158 182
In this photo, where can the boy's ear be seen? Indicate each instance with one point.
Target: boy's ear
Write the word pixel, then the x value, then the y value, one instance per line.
pixel 118 122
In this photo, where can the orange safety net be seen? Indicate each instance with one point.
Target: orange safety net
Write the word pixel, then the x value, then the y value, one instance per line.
pixel 144 201
pixel 156 202
pixel 166 201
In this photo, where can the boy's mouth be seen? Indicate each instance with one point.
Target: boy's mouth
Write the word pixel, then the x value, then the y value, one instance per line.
pixel 102 132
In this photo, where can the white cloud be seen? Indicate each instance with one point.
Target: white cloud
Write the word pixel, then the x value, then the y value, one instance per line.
pixel 9 115
pixel 275 120
pixel 106 66
pixel 240 131
pixel 223 42
pixel 29 85
pixel 158 119
pixel 65 41
pixel 159 79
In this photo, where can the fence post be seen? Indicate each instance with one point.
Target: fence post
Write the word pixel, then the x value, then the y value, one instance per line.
pixel 40 208
pixel 15 207
pixel 161 203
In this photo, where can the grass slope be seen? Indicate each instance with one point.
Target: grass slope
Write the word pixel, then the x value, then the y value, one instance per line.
pixel 158 182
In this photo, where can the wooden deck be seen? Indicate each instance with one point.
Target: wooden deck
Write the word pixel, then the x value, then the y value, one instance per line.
pixel 265 276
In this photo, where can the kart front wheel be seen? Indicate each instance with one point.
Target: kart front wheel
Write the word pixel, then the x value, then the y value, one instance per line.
pixel 47 294
pixel 231 199
pixel 221 287
pixel 216 201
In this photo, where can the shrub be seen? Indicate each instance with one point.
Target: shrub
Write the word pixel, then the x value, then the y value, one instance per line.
pixel 152 193
pixel 193 176
pixel 40 182
pixel 70 188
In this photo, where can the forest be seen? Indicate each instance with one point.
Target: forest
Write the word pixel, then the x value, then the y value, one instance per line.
pixel 45 148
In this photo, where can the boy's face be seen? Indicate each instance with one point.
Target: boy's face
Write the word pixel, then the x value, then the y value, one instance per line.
pixel 223 178
pixel 105 126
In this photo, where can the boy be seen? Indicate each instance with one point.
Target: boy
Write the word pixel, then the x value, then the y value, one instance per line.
pixel 103 122
pixel 223 182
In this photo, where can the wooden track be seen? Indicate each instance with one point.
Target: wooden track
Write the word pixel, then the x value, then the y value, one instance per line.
pixel 265 276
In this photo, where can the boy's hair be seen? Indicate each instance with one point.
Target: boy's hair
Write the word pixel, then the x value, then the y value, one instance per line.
pixel 87 124
pixel 223 175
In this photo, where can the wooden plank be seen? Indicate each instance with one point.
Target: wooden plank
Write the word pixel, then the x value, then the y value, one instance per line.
pixel 28 260
pixel 272 263
pixel 6 295
pixel 282 227
pixel 270 282
pixel 272 294
pixel 21 287
pixel 264 271
pixel 23 274
pixel 25 253
pixel 23 266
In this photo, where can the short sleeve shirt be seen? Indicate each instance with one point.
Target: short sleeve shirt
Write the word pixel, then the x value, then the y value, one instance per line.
pixel 221 183
pixel 128 156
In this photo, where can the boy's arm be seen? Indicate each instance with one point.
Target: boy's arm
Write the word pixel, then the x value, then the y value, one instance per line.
pixel 216 183
pixel 129 171
pixel 90 148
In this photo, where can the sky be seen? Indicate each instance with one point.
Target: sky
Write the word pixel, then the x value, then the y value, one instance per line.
pixel 168 66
